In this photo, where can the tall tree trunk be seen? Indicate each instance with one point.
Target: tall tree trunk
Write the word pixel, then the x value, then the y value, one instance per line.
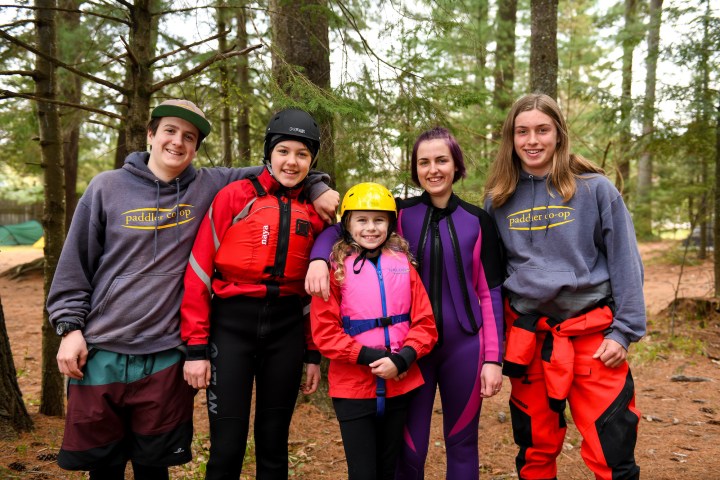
pixel 225 121
pixel 482 37
pixel 244 92
pixel 301 46
pixel 70 90
pixel 643 209
pixel 716 225
pixel 628 44
pixel 13 415
pixel 504 73
pixel 51 401
pixel 705 105
pixel 141 49
pixel 543 47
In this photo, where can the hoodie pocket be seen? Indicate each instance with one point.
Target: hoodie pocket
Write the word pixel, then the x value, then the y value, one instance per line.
pixel 540 284
pixel 134 303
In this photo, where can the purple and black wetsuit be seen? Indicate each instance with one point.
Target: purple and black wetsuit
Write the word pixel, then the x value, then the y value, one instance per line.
pixel 461 265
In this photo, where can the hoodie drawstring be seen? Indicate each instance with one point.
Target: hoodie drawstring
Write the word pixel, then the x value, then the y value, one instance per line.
pixel 157 215
pixel 532 207
pixel 177 211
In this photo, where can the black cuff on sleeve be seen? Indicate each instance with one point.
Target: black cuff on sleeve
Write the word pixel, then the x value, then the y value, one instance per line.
pixel 197 352
pixel 312 356
pixel 494 363
pixel 404 358
pixel 369 355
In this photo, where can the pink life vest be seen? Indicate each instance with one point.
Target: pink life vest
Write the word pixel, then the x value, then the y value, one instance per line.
pixel 375 307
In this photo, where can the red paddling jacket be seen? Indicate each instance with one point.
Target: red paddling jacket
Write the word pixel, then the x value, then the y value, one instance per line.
pixel 255 240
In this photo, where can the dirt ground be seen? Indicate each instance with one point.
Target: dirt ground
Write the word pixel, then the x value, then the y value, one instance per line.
pixel 679 435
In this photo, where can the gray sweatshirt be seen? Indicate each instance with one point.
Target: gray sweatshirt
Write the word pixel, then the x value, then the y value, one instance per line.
pixel 565 257
pixel 120 274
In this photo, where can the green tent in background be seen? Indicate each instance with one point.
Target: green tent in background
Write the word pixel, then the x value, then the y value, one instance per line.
pixel 26 233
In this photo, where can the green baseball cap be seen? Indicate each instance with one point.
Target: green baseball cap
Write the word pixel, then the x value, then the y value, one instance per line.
pixel 186 110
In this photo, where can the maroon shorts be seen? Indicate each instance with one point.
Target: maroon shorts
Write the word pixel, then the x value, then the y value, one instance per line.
pixel 128 407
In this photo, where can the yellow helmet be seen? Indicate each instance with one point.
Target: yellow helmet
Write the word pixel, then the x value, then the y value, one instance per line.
pixel 368 196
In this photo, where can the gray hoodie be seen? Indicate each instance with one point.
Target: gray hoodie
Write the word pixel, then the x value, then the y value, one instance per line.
pixel 120 274
pixel 565 257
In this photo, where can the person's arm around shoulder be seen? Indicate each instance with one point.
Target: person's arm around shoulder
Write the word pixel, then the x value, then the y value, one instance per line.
pixel 317 279
pixel 324 199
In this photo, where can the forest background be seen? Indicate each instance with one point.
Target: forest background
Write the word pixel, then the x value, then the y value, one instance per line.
pixel 637 80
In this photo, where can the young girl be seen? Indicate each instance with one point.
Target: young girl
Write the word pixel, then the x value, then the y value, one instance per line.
pixel 242 311
pixel 574 285
pixel 375 324
pixel 460 257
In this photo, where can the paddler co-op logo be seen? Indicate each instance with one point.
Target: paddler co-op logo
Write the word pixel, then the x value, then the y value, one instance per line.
pixel 148 218
pixel 540 218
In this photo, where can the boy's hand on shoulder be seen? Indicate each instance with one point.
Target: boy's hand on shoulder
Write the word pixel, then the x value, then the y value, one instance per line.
pixel 197 373
pixel 384 368
pixel 72 355
pixel 326 205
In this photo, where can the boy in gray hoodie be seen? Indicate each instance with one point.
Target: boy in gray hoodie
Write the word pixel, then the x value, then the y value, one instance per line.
pixel 116 296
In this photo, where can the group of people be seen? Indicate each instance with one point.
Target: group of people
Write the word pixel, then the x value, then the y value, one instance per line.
pixel 175 279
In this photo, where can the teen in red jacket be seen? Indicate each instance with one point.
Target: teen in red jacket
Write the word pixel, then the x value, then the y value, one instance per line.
pixel 242 312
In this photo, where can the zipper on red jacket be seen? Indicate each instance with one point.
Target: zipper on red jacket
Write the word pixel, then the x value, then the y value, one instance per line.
pixel 283 244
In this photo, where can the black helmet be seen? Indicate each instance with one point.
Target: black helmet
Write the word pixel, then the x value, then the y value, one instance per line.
pixel 292 123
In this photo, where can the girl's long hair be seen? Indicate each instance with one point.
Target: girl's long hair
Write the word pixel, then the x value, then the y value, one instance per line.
pixel 342 249
pixel 566 167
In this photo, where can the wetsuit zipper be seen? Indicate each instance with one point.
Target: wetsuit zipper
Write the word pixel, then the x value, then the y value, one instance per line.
pixel 436 278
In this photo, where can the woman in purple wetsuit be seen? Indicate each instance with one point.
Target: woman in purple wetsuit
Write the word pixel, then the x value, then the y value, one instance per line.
pixel 460 261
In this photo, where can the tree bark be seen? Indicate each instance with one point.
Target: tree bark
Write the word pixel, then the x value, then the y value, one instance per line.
pixel 716 224
pixel 622 174
pixel 705 118
pixel 141 49
pixel 543 47
pixel 14 417
pixel 301 47
pixel 643 209
pixel 51 401
pixel 224 90
pixel 244 92
pixel 70 90
pixel 504 73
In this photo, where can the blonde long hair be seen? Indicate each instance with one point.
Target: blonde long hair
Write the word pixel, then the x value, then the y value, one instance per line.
pixel 566 167
pixel 344 248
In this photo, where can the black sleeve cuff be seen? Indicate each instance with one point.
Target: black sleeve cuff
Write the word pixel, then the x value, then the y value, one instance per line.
pixel 369 355
pixel 197 352
pixel 494 363
pixel 404 358
pixel 312 356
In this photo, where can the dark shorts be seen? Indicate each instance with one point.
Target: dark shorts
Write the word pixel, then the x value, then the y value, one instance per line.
pixel 128 407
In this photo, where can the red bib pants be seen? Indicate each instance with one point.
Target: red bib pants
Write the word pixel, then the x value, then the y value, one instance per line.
pixel 602 399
